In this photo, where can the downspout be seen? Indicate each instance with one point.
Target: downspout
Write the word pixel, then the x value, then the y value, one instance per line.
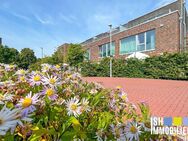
pixel 182 26
pixel 180 18
pixel 184 23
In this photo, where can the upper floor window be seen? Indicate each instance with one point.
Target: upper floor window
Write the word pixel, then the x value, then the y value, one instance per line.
pixel 87 55
pixel 105 50
pixel 141 42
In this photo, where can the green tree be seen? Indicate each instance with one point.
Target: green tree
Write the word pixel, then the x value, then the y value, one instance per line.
pixel 26 58
pixel 58 55
pixel 8 55
pixel 75 55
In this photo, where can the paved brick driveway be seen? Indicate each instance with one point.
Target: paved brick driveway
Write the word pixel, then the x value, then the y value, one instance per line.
pixel 165 97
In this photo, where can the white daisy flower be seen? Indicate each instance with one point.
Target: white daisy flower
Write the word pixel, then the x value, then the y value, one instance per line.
pixel 22 78
pixel 123 96
pixel 5 98
pixel 50 93
pixel 46 67
pixel 10 67
pixel 7 83
pixel 36 72
pixel 57 67
pixel 52 81
pixel 85 105
pixel 73 107
pixel 8 119
pixel 35 79
pixel 21 72
pixel 28 103
pixel 132 131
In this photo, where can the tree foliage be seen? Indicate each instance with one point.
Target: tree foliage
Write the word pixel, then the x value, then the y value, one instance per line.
pixel 12 56
pixel 75 55
pixel 8 55
pixel 26 58
pixel 59 56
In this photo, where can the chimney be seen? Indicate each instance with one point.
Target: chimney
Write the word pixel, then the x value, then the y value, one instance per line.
pixel 0 41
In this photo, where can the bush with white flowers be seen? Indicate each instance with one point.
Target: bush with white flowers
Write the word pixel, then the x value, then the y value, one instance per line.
pixel 56 105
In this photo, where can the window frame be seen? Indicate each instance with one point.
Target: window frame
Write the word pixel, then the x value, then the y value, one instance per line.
pixel 136 37
pixel 106 46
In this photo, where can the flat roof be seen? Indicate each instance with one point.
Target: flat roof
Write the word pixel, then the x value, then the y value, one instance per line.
pixel 174 6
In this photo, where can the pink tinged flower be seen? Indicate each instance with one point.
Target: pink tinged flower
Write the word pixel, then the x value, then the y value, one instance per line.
pixel 112 104
pixel 132 131
pixel 5 98
pixel 28 103
pixel 8 119
pixel 9 67
pixel 57 67
pixel 35 79
pixel 7 83
pixel 22 78
pixel 123 96
pixel 73 107
pixel 46 67
pixel 52 81
pixel 21 72
pixel 50 93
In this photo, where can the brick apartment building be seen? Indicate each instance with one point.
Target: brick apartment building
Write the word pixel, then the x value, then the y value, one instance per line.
pixel 162 30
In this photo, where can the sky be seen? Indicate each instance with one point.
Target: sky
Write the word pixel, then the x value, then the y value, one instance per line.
pixel 51 23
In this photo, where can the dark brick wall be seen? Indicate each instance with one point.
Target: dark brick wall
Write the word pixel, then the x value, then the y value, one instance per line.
pixel 167 37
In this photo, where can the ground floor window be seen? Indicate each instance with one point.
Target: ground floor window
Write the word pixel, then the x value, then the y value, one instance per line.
pixel 105 50
pixel 141 42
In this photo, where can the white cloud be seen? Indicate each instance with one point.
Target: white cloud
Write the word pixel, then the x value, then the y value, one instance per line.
pixel 46 20
pixel 21 16
pixel 68 19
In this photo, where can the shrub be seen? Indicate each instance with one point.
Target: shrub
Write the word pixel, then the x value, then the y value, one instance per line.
pixel 167 66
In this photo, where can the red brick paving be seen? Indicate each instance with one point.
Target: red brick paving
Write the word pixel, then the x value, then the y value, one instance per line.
pixel 165 97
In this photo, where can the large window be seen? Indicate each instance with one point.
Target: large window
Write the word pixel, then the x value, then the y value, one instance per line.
pixel 141 42
pixel 150 40
pixel 128 45
pixel 105 50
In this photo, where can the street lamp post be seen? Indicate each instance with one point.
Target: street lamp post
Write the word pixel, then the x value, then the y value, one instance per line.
pixel 110 26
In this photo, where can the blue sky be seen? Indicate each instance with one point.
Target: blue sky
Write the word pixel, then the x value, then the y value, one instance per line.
pixel 50 23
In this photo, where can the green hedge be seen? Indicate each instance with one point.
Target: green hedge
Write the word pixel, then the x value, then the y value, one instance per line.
pixel 167 66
